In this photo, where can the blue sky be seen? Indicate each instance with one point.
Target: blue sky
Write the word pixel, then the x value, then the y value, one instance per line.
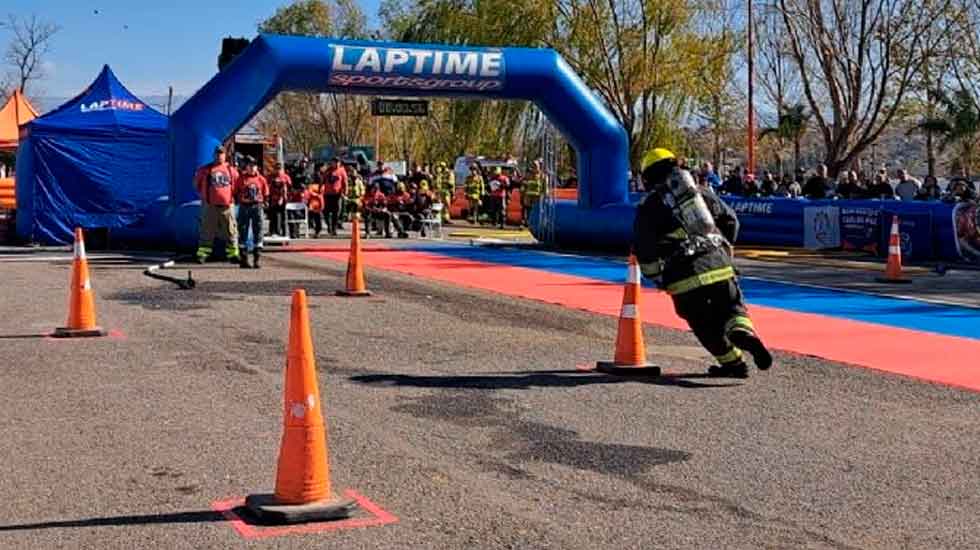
pixel 149 45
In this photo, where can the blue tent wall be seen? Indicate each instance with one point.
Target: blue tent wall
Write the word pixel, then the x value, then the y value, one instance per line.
pixel 98 161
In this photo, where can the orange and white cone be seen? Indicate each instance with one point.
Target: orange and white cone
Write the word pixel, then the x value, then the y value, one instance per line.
pixel 630 358
pixel 355 271
pixel 893 271
pixel 303 489
pixel 81 299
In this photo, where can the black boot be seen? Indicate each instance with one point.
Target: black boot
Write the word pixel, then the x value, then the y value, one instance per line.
pixel 751 343
pixel 255 259
pixel 736 370
pixel 243 258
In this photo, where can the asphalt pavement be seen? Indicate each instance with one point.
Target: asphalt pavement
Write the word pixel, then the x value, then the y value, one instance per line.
pixel 457 411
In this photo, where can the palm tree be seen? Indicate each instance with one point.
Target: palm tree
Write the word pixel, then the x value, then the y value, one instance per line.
pixel 958 124
pixel 792 126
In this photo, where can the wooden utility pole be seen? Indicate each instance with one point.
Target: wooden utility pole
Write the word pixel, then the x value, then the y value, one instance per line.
pixel 750 161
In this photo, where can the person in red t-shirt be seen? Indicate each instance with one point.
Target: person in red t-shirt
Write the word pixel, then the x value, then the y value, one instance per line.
pixel 499 187
pixel 297 193
pixel 214 183
pixel 375 206
pixel 400 206
pixel 333 182
pixel 278 190
pixel 251 193
pixel 314 200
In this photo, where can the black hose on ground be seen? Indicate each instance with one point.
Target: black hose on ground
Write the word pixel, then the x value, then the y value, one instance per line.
pixel 183 284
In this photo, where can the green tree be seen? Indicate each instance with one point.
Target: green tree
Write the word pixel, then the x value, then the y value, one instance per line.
pixel 957 124
pixel 791 127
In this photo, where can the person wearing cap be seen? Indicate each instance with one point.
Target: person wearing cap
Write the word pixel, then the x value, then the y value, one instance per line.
pixel 251 193
pixel 444 187
pixel 682 238
pixel 214 183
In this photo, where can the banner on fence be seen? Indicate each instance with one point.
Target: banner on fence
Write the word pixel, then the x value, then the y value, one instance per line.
pixel 821 227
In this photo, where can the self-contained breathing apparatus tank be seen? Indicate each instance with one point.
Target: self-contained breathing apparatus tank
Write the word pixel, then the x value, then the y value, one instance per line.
pixel 684 198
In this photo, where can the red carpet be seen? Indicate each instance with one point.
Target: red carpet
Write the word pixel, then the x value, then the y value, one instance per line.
pixel 937 358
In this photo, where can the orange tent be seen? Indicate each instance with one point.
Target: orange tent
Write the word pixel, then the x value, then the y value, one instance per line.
pixel 16 112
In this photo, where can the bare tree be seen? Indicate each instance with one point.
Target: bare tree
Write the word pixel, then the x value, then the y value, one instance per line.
pixel 965 49
pixel 857 60
pixel 779 76
pixel 25 54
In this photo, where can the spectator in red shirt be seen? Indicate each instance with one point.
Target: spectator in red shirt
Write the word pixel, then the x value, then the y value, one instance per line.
pixel 333 183
pixel 278 189
pixel 214 184
pixel 400 208
pixel 499 186
pixel 251 194
pixel 375 206
pixel 297 194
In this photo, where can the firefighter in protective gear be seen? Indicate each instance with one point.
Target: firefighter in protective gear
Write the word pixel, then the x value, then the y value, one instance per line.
pixel 474 192
pixel 355 190
pixel 444 187
pixel 682 240
pixel 531 190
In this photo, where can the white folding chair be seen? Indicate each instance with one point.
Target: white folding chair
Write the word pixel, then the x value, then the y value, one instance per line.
pixel 294 211
pixel 433 223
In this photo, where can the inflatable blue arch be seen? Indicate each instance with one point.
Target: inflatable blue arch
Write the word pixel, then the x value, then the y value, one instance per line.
pixel 272 64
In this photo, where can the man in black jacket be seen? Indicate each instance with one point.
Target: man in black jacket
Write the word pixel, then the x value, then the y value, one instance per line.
pixel 682 240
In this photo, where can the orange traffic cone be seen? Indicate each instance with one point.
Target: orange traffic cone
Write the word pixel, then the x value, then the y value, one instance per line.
pixel 893 272
pixel 81 299
pixel 631 357
pixel 355 272
pixel 303 490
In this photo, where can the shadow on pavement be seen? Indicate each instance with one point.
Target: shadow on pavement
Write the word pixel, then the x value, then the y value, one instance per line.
pixel 23 336
pixel 533 379
pixel 148 519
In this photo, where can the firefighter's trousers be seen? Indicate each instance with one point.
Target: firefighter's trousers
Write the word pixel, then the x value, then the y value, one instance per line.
pixel 713 312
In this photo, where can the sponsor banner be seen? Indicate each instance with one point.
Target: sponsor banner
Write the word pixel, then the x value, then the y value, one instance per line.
pixel 749 207
pixel 821 227
pixel 966 226
pixel 416 69
pixel 860 227
pixel 914 232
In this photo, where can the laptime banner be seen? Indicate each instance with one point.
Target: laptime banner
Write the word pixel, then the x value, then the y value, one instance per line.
pixel 416 68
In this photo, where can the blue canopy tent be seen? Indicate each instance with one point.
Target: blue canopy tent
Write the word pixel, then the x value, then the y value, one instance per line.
pixel 98 161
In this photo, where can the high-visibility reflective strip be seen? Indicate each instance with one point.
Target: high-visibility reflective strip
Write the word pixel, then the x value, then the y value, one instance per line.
pixel 894 249
pixel 679 234
pixel 633 274
pixel 739 321
pixel 701 279
pixel 79 249
pixel 652 269
pixel 734 355
pixel 629 312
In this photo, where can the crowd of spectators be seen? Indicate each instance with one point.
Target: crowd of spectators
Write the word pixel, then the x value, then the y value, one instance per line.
pixel 849 185
pixel 333 192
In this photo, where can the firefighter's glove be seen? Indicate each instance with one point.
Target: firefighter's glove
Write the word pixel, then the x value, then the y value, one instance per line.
pixel 652 270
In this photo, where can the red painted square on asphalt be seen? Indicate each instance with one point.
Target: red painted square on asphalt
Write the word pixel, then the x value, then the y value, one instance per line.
pixel 377 516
